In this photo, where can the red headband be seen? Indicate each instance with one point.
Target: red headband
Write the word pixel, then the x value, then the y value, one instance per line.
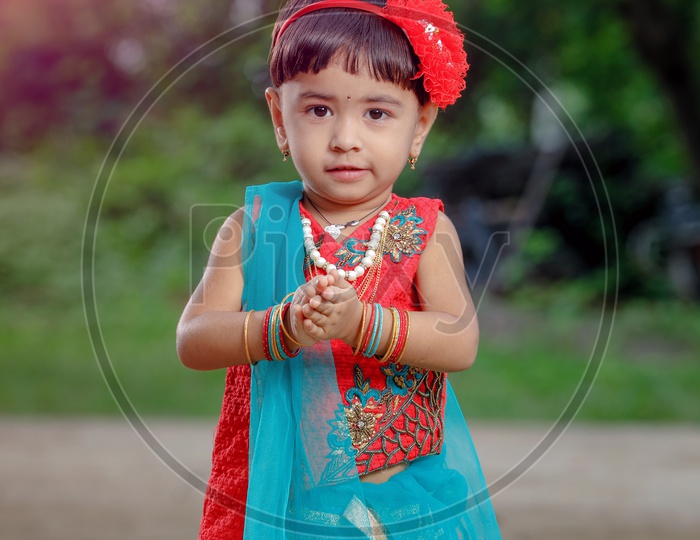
pixel 431 31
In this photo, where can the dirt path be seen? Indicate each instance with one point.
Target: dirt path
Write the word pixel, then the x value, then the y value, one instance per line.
pixel 96 479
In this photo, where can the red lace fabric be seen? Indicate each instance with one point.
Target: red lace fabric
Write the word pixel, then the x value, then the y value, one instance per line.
pixel 394 412
pixel 225 499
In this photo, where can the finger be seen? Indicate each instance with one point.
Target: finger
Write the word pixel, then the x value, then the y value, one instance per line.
pixel 310 290
pixel 343 283
pixel 323 283
pixel 323 307
pixel 297 312
pixel 329 294
pixel 310 313
pixel 299 297
pixel 315 316
pixel 312 329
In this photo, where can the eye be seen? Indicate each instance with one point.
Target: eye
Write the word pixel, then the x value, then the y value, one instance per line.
pixel 320 111
pixel 376 114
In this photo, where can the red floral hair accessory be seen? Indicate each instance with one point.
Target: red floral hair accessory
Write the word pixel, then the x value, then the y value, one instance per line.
pixel 431 31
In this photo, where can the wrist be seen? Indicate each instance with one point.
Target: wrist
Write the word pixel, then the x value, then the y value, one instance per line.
pixel 357 326
pixel 290 340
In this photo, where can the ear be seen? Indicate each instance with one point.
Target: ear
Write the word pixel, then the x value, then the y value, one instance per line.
pixel 274 104
pixel 426 119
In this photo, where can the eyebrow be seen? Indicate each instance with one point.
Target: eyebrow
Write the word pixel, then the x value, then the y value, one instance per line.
pixel 379 98
pixel 384 98
pixel 310 94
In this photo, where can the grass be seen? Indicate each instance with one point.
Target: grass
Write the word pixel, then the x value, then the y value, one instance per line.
pixel 528 368
pixel 650 370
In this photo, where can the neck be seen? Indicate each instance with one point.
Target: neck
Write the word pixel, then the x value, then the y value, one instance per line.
pixel 341 213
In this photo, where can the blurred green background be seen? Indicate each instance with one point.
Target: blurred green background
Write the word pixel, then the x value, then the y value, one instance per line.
pixel 142 121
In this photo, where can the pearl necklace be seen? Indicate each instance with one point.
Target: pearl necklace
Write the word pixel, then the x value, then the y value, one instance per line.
pixel 366 262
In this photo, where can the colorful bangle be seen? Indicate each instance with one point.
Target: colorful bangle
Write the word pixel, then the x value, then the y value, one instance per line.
pixel 376 331
pixel 285 309
pixel 394 339
pixel 272 338
pixel 285 352
pixel 266 334
pixel 280 352
pixel 399 337
pixel 362 329
pixel 245 337
pixel 273 334
pixel 368 333
pixel 403 338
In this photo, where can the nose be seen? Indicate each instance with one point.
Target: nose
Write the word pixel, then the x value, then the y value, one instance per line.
pixel 346 135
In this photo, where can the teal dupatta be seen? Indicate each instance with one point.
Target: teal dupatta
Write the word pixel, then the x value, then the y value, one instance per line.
pixel 298 430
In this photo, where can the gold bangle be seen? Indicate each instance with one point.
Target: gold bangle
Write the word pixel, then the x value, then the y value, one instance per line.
pixel 285 298
pixel 394 339
pixel 286 333
pixel 245 337
pixel 362 328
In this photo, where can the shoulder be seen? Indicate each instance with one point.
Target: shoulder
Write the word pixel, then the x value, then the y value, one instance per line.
pixel 422 210
pixel 228 239
pixel 425 204
pixel 444 243
pixel 444 234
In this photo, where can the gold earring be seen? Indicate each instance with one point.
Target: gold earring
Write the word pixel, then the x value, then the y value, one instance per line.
pixel 412 160
pixel 285 155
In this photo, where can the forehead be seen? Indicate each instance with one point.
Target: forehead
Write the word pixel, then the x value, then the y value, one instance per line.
pixel 334 82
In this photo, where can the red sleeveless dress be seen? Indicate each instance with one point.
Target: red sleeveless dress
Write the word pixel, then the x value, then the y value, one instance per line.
pixel 394 412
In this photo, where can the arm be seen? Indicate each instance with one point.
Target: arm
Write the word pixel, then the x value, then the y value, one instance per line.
pixel 445 335
pixel 210 331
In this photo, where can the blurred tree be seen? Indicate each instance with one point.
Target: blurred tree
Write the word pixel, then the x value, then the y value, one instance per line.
pixel 586 53
pixel 80 65
pixel 665 36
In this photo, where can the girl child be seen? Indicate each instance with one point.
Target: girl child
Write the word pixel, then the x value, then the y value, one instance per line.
pixel 338 307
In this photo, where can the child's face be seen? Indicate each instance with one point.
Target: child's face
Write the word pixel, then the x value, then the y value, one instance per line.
pixel 349 135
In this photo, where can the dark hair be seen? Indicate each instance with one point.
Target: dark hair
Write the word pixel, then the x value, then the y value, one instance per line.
pixel 354 38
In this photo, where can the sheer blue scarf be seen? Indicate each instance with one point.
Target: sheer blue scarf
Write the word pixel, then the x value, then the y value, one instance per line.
pixel 298 430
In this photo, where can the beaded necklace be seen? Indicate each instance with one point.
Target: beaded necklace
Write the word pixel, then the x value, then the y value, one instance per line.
pixel 375 241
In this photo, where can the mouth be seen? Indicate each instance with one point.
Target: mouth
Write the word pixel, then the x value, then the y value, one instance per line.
pixel 345 168
pixel 347 173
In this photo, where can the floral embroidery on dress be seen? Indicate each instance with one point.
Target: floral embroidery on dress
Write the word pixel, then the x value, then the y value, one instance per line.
pixel 361 424
pixel 352 427
pixel 363 412
pixel 400 379
pixel 370 416
pixel 351 252
pixel 341 459
pixel 403 235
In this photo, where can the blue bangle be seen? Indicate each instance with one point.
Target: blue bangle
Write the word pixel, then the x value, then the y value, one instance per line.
pixel 376 331
pixel 373 335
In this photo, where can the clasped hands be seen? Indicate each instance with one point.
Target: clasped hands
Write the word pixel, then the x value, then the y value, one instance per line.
pixel 325 308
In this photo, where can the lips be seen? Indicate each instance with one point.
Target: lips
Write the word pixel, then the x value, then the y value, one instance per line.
pixel 347 173
pixel 345 168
